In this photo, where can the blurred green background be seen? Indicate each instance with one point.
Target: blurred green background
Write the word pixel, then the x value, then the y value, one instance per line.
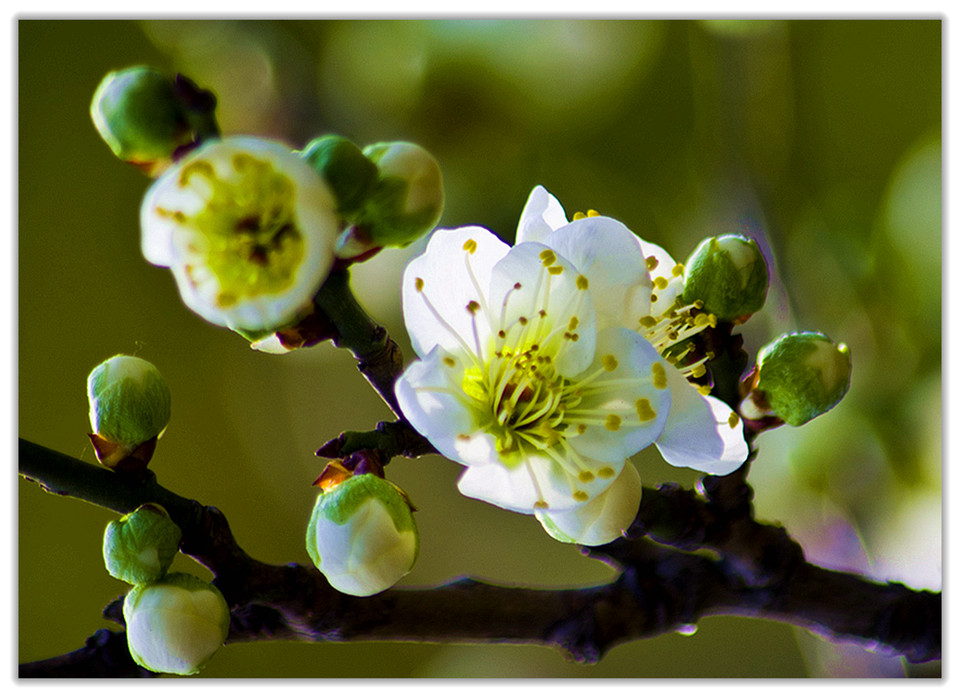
pixel 821 138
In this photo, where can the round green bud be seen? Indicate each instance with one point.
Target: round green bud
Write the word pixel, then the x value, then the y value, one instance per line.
pixel 175 625
pixel 348 172
pixel 139 547
pixel 362 535
pixel 405 205
pixel 729 275
pixel 141 116
pixel 800 376
pixel 129 401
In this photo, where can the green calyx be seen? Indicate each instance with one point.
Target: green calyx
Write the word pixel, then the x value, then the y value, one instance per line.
pixel 129 401
pixel 803 375
pixel 347 171
pixel 144 116
pixel 139 547
pixel 729 275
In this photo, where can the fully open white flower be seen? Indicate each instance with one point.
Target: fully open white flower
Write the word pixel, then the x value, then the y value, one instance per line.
pixel 536 370
pixel 247 228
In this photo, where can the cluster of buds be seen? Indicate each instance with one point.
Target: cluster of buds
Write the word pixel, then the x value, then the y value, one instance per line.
pixel 129 410
pixel 251 228
pixel 175 622
pixel 361 534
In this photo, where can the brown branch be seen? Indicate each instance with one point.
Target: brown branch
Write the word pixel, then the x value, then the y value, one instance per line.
pixel 754 570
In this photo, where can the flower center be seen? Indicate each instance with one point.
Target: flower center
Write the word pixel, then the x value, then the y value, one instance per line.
pixel 246 233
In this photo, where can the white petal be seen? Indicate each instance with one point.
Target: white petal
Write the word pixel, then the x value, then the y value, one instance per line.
pixel 700 432
pixel 601 520
pixel 440 284
pixel 430 395
pixel 541 215
pixel 614 394
pixel 609 256
pixel 530 301
pixel 663 267
pixel 535 479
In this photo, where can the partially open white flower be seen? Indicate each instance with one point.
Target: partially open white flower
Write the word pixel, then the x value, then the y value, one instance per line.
pixel 541 367
pixel 175 625
pixel 247 228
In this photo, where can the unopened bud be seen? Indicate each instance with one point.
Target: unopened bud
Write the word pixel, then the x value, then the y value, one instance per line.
pixel 175 625
pixel 798 377
pixel 362 535
pixel 601 520
pixel 146 116
pixel 405 205
pixel 350 175
pixel 139 547
pixel 729 275
pixel 129 407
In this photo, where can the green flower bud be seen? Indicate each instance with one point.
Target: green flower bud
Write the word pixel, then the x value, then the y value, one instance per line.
pixel 175 625
pixel 146 116
pixel 729 275
pixel 348 172
pixel 798 377
pixel 129 407
pixel 405 205
pixel 139 547
pixel 362 535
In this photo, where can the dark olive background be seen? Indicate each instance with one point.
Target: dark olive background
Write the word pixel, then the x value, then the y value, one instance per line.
pixel 820 137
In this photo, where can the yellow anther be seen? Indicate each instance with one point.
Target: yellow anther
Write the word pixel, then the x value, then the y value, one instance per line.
pixel 606 472
pixel 581 428
pixel 582 283
pixel 449 361
pixel 581 496
pixel 660 283
pixel 648 321
pixel 578 215
pixel 653 297
pixel 612 422
pixel 659 376
pixel 547 258
pixel 644 411
pixel 733 420
pixel 703 389
pixel 540 504
pixel 591 213
pixel 555 270
pixel 585 476
pixel 574 323
pixel 418 284
pixel 678 270
pixel 522 320
pixel 652 263
pixel 470 246
pixel 473 307
pixel 609 362
pixel 703 319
